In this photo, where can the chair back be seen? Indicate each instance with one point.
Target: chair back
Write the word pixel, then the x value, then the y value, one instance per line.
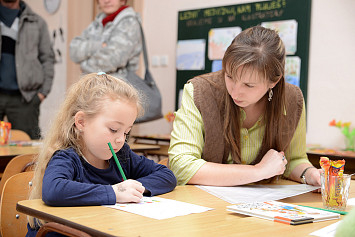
pixel 17 165
pixel 164 161
pixel 16 188
pixel 19 135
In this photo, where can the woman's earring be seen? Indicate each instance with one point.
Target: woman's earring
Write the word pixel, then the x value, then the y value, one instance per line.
pixel 270 95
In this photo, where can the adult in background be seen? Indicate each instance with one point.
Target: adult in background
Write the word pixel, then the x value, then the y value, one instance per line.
pixel 242 124
pixel 112 43
pixel 26 65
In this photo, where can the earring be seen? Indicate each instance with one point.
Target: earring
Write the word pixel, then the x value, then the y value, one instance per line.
pixel 270 95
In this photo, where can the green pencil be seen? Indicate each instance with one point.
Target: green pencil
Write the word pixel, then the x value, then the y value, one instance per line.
pixel 117 162
pixel 323 209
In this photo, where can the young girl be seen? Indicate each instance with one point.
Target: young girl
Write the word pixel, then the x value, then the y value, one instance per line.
pixel 76 165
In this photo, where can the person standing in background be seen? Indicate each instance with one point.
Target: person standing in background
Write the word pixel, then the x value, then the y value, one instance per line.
pixel 26 65
pixel 112 43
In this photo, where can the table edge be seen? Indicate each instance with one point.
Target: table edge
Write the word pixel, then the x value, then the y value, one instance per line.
pixel 50 218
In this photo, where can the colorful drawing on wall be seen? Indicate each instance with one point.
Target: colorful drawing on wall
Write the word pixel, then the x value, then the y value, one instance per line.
pixel 287 31
pixel 216 65
pixel 219 39
pixel 190 54
pixel 293 70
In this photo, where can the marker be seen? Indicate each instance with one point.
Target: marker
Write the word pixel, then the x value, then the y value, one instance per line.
pixel 117 162
pixel 323 209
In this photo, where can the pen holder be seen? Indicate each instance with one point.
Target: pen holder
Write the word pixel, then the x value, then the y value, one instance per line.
pixel 335 191
pixel 5 129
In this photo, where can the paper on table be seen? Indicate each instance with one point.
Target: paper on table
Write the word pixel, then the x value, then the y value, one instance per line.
pixel 257 193
pixel 328 231
pixel 351 202
pixel 160 208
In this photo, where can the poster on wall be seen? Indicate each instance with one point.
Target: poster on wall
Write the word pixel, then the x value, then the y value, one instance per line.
pixel 219 39
pixel 292 70
pixel 287 31
pixel 190 54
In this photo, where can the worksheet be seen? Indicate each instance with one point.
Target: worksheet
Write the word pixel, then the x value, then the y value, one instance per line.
pixel 257 193
pixel 160 208
pixel 328 231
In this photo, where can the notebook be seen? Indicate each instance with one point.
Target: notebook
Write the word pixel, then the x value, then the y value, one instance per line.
pixel 283 212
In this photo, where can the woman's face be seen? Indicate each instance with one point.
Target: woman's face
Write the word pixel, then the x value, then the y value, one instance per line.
pixel 248 88
pixel 111 6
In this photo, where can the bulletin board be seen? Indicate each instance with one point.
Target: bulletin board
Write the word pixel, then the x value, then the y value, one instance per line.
pixel 204 34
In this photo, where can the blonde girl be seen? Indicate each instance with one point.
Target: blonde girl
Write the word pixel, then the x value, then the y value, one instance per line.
pixel 75 166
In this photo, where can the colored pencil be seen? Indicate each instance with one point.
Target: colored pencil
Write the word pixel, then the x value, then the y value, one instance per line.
pixel 323 209
pixel 117 162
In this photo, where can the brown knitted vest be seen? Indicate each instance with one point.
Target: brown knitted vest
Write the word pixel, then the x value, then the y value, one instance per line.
pixel 209 97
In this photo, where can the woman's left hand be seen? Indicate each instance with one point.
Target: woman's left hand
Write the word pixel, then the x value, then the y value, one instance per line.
pixel 313 177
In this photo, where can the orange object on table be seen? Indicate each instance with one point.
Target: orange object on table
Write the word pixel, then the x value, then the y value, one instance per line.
pixel 5 128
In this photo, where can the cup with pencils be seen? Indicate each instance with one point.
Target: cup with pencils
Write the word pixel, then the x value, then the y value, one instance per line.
pixel 334 184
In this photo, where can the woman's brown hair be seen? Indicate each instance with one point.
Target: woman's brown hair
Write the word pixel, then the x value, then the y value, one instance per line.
pixel 261 50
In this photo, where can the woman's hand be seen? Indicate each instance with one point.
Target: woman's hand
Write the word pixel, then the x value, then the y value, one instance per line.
pixel 273 163
pixel 313 177
pixel 128 191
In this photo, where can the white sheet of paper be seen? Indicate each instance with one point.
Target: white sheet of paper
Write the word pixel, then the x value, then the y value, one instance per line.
pixel 328 231
pixel 257 193
pixel 160 208
pixel 351 202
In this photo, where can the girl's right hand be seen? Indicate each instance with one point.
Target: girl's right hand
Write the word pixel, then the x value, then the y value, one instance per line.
pixel 128 191
pixel 272 164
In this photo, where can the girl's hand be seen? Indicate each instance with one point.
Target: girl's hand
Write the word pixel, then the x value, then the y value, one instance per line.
pixel 273 163
pixel 128 191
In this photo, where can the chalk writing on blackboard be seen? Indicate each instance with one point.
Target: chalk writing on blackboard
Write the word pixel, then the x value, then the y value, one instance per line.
pixel 262 15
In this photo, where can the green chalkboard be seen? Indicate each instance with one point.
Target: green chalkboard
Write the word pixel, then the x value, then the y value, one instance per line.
pixel 194 27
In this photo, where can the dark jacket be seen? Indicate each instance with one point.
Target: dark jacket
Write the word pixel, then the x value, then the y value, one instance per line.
pixel 33 54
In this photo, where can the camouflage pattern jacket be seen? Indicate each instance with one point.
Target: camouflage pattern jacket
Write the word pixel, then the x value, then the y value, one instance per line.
pixel 113 49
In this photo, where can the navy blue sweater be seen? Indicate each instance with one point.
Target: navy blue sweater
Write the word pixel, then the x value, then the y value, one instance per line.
pixel 70 181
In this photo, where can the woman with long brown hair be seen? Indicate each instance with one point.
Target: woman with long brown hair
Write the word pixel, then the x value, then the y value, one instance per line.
pixel 242 124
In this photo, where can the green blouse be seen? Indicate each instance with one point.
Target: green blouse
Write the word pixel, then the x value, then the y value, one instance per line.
pixel 187 141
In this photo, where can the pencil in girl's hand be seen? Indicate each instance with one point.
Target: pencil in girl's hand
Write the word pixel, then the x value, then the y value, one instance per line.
pixel 117 162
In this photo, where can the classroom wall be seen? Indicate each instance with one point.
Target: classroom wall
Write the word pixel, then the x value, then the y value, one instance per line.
pixel 331 82
pixel 331 90
pixel 54 21
pixel 70 13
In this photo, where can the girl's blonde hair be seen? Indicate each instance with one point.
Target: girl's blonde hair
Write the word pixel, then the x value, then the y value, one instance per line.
pixel 263 51
pixel 86 95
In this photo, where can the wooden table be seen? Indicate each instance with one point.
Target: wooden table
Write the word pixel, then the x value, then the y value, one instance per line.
pixel 163 140
pixel 8 152
pixel 103 221
pixel 157 138
pixel 12 151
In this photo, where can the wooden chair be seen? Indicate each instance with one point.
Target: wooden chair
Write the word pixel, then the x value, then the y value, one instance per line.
pixel 60 228
pixel 165 162
pixel 14 223
pixel 18 164
pixel 19 135
pixel 16 188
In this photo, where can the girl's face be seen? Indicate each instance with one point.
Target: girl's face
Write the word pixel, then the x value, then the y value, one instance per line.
pixel 111 124
pixel 111 6
pixel 248 89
